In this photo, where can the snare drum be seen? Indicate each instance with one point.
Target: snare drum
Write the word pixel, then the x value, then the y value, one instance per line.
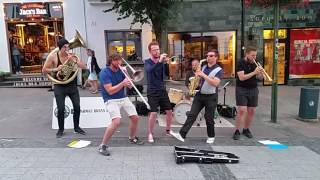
pixel 175 95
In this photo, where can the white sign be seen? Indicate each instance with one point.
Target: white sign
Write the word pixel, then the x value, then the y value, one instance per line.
pixel 93 113
pixel 37 11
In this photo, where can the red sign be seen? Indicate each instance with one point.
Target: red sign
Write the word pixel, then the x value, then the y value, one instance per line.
pixel 304 53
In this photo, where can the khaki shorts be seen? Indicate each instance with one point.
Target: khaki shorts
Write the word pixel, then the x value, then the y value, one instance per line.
pixel 113 107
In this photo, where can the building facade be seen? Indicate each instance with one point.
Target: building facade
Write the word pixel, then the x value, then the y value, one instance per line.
pixel 199 25
pixel 37 25
pixel 204 24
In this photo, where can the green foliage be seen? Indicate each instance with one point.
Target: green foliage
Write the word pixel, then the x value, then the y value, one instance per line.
pixel 155 12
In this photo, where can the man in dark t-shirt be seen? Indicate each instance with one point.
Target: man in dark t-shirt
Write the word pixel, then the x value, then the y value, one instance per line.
pixel 247 91
pixel 156 90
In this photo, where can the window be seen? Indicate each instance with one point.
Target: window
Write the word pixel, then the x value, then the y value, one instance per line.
pixel 125 43
pixel 188 46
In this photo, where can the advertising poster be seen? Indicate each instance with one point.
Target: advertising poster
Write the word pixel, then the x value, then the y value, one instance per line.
pixel 304 53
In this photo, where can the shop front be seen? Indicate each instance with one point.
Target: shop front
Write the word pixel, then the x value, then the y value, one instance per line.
pixel 32 32
pixel 186 46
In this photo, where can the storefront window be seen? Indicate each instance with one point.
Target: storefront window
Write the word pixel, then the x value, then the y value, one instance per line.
pixel 188 46
pixel 126 43
pixel 33 30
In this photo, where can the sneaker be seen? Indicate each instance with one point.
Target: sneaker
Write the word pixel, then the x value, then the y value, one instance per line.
pixel 236 135
pixel 135 140
pixel 168 132
pixel 79 131
pixel 177 136
pixel 59 133
pixel 247 133
pixel 210 140
pixel 103 149
pixel 150 138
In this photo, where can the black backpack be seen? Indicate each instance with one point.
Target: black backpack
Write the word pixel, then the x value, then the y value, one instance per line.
pixel 227 111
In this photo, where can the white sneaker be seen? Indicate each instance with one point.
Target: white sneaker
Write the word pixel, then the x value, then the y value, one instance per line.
pixel 150 138
pixel 177 136
pixel 210 140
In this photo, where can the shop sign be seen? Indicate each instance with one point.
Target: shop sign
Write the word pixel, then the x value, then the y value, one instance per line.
pixel 33 10
pixel 282 19
pixel 304 53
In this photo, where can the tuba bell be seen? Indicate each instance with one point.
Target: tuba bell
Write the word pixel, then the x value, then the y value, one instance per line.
pixel 70 68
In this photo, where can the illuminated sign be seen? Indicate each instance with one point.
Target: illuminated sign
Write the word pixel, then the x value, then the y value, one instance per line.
pixel 33 10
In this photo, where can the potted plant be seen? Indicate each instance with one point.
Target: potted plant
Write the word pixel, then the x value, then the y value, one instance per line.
pixel 3 75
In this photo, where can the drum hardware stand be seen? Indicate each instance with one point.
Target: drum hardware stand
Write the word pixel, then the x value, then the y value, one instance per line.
pixel 184 154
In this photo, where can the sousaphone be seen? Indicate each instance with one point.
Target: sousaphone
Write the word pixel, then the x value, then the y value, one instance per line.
pixel 70 68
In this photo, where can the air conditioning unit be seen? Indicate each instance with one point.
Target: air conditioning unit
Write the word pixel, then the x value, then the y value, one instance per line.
pixel 100 1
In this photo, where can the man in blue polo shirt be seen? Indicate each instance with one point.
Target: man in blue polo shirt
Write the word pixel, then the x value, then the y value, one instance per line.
pixel 207 97
pixel 156 91
pixel 113 82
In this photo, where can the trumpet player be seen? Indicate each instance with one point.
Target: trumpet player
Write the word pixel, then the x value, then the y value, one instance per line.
pixel 248 74
pixel 155 68
pixel 113 82
pixel 54 64
pixel 207 97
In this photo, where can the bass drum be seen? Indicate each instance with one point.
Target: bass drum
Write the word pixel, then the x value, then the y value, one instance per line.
pixel 181 109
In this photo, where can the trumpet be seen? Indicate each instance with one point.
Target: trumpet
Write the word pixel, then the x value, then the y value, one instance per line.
pixel 135 88
pixel 264 73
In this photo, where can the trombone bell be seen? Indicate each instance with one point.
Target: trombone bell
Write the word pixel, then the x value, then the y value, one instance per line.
pixel 137 76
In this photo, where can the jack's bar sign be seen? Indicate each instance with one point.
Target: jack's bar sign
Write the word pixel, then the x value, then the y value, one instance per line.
pixel 33 10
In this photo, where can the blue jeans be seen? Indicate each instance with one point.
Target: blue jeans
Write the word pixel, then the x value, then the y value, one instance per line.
pixel 17 62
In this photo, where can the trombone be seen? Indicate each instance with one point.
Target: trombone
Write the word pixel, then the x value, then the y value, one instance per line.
pixel 264 73
pixel 137 76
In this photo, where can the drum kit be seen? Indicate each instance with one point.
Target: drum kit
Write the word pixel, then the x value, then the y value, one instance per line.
pixel 182 106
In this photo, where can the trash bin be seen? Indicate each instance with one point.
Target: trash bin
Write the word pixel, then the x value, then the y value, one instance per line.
pixel 308 108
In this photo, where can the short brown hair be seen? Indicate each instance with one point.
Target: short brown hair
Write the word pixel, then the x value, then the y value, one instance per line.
pixel 214 51
pixel 113 57
pixel 249 49
pixel 153 43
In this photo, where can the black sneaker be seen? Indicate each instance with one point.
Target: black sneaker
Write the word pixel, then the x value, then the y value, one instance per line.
pixel 136 140
pixel 103 149
pixel 59 133
pixel 236 135
pixel 79 131
pixel 247 133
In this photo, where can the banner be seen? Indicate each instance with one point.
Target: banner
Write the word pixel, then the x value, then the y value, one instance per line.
pixel 93 113
pixel 305 53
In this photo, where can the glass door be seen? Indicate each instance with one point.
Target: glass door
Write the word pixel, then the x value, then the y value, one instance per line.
pixel 268 55
pixel 268 61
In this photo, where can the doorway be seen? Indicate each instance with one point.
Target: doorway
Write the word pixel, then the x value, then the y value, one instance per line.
pixel 282 55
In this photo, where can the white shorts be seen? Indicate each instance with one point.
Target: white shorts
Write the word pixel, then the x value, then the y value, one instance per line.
pixel 113 107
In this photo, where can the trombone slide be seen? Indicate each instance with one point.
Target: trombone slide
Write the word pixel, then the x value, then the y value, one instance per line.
pixel 135 88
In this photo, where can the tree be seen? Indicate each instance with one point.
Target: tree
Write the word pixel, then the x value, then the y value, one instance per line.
pixel 154 12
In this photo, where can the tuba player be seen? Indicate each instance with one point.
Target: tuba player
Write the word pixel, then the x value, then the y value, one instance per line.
pixel 54 64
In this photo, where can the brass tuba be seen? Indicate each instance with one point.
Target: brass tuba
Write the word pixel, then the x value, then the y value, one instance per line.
pixel 195 81
pixel 70 68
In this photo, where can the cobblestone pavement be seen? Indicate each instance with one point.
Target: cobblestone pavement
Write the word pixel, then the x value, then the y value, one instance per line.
pixel 29 149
